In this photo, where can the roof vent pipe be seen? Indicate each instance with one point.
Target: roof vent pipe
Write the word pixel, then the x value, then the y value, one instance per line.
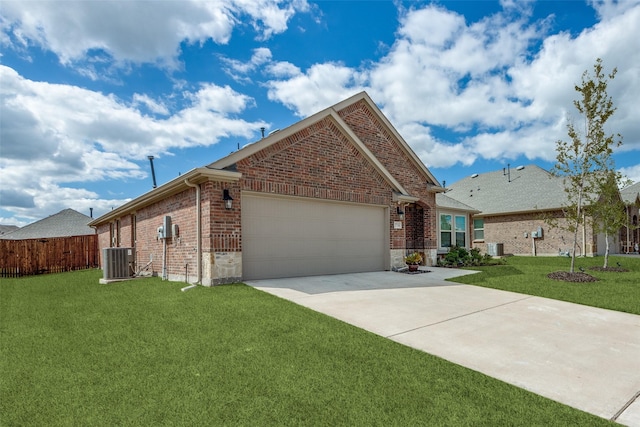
pixel 262 129
pixel 91 212
pixel 153 172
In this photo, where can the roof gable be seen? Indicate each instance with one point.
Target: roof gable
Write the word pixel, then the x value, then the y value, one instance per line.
pixel 631 194
pixel 333 114
pixel 386 127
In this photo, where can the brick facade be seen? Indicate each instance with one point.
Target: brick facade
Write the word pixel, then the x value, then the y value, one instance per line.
pixel 316 161
pixel 381 142
pixel 514 232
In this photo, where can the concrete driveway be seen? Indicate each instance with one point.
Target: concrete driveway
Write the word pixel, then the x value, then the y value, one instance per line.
pixel 584 357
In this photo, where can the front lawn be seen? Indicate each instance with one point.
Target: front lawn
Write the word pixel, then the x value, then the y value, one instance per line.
pixel 74 352
pixel 528 275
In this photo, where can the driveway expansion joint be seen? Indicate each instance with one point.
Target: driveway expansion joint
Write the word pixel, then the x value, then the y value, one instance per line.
pixel 625 407
pixel 459 317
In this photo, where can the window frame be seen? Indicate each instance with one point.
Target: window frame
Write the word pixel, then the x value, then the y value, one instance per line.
pixel 453 230
pixel 477 229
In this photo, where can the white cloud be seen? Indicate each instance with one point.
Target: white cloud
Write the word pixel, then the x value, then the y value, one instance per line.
pixel 322 86
pixel 75 30
pixel 283 69
pixel 238 69
pixel 611 8
pixel 74 135
pixel 632 172
pixel 154 106
pixel 481 78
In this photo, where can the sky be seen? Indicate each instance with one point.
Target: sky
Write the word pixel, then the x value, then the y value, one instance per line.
pixel 90 89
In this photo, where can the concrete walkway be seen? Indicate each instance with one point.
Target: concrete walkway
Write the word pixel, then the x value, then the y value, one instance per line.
pixel 584 357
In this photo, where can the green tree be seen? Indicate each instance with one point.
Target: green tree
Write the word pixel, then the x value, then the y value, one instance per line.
pixel 587 154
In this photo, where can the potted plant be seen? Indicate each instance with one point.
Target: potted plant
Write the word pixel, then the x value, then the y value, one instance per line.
pixel 413 261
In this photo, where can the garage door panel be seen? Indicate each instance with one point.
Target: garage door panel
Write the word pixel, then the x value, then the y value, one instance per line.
pixel 288 237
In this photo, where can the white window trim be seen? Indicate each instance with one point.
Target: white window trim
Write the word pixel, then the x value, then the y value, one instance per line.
pixel 467 241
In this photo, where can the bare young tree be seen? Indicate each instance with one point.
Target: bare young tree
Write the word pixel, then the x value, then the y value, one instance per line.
pixel 609 214
pixel 584 158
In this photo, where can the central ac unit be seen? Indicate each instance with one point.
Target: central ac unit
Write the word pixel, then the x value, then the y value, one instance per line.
pixel 118 263
pixel 495 249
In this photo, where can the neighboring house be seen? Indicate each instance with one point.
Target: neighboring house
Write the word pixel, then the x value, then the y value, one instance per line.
pixel 65 223
pixel 337 192
pixel 514 204
pixel 630 235
pixel 4 229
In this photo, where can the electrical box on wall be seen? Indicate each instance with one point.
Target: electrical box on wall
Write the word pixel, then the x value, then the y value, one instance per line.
pixel 166 224
pixel 175 231
pixel 160 232
pixel 537 234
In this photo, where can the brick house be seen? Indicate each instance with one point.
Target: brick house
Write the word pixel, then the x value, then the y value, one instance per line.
pixel 340 191
pixel 513 205
pixel 630 235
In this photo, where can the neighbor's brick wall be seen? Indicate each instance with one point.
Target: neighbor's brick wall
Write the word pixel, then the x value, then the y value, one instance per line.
pixel 381 143
pixel 510 231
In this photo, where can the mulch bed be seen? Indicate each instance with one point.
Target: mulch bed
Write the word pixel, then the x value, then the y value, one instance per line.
pixel 572 277
pixel 580 277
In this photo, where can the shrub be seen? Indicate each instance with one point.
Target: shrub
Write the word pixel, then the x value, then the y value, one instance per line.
pixel 461 257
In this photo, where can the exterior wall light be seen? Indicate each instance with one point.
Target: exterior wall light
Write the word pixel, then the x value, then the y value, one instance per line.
pixel 228 200
pixel 400 213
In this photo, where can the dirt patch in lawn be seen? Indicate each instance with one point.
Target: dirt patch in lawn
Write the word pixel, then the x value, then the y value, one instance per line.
pixel 572 277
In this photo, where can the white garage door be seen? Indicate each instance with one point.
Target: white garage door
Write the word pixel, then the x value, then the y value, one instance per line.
pixel 291 237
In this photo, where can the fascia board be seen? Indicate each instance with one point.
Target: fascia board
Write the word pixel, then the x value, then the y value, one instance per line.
pixel 194 176
pixel 528 211
pixel 404 198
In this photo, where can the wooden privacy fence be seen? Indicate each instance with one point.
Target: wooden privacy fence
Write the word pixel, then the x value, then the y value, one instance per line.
pixel 50 255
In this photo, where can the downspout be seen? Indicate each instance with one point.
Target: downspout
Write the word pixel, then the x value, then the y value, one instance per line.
pixel 198 237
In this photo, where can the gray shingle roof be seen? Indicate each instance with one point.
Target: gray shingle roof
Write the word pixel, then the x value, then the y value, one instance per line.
pixel 631 193
pixel 4 229
pixel 528 189
pixel 63 224
pixel 446 202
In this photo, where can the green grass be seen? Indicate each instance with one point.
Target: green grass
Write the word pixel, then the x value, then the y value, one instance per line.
pixel 74 352
pixel 528 275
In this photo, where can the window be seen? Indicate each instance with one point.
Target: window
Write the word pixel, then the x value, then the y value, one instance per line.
pixel 461 231
pixel 445 231
pixel 478 229
pixel 453 230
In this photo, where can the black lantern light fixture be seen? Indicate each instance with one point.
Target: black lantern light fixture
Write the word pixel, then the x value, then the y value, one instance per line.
pixel 228 200
pixel 400 213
